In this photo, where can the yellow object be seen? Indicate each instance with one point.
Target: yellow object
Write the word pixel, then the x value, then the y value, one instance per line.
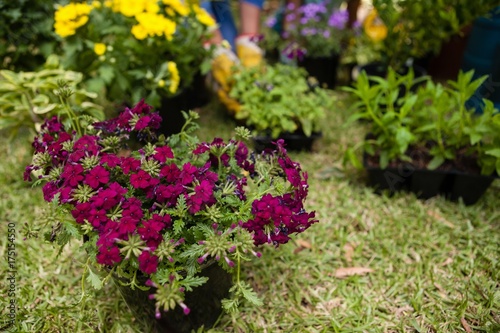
pixel 151 24
pixel 99 48
pixel 70 17
pixel 374 28
pixel 175 78
pixel 222 64
pixel 231 104
pixel 249 53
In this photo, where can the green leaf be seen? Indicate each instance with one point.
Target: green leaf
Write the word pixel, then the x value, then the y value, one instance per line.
pixel 493 152
pixel 435 162
pixel 106 73
pixel 94 279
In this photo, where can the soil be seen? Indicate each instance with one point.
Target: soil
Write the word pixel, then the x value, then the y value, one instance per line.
pixel 420 158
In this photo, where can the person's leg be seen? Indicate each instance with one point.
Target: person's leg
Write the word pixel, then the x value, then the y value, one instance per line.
pixel 221 12
pixel 250 16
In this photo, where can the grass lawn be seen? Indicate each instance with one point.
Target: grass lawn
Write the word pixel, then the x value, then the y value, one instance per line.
pixel 421 266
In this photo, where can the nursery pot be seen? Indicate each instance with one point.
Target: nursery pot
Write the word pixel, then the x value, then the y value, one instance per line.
pixel 203 301
pixel 198 94
pixel 297 141
pixel 324 69
pixel 170 112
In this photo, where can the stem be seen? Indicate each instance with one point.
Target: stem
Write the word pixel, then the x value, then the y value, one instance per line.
pixel 71 116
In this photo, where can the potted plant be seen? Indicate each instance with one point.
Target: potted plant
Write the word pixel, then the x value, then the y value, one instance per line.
pixel 412 33
pixel 130 50
pixel 428 141
pixel 314 33
pixel 27 98
pixel 169 217
pixel 278 101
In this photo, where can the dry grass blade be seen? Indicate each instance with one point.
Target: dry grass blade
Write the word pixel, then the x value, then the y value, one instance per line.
pixel 350 271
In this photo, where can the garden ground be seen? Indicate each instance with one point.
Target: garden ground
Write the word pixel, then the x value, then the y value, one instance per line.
pixel 373 263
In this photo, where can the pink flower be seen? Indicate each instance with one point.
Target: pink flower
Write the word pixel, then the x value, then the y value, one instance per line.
pixel 96 176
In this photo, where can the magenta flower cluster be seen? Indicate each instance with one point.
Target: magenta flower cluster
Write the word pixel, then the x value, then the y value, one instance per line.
pixel 121 194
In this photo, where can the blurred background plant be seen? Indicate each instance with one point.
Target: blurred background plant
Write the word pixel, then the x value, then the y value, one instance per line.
pixel 27 98
pixel 135 49
pixel 26 34
pixel 398 30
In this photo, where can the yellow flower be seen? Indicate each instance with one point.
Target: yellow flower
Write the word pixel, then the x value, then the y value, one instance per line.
pixel 151 24
pixel 139 32
pixel 174 77
pixel 204 17
pixel 96 4
pixel 70 17
pixel 99 48
pixel 178 6
pixel 374 27
pixel 161 83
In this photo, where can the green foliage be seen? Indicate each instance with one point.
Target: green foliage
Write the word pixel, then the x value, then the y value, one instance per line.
pixel 26 36
pixel 381 102
pixel 434 119
pixel 279 99
pixel 27 98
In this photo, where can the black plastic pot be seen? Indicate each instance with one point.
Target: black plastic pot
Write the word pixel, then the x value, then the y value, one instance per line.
pixel 426 184
pixel 170 111
pixel 429 183
pixel 293 141
pixel 389 180
pixel 204 303
pixel 324 69
pixel 198 94
pixel 469 187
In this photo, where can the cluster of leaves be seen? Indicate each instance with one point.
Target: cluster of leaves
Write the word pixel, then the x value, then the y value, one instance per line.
pixel 279 99
pixel 26 36
pixel 167 209
pixel 415 29
pixel 26 98
pixel 127 66
pixel 406 115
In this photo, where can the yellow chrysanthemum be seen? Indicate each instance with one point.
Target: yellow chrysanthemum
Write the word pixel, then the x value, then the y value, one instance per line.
pixel 204 17
pixel 99 48
pixel 139 32
pixel 70 17
pixel 131 8
pixel 174 77
pixel 374 27
pixel 150 24
pixel 178 6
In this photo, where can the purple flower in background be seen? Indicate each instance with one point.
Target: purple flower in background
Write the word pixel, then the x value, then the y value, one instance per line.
pixel 310 10
pixel 338 19
pixel 290 17
pixel 290 6
pixel 326 33
pixel 271 21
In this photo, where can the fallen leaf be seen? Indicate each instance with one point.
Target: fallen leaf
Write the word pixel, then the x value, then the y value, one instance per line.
pixel 302 245
pixel 465 325
pixel 348 252
pixel 447 262
pixel 349 271
pixel 438 217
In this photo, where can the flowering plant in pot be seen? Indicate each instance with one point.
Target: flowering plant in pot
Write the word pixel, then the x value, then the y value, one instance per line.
pixel 315 33
pixel 279 101
pixel 132 49
pixel 158 216
pixel 429 140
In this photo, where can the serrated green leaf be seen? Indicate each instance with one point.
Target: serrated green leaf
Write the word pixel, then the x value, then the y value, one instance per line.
pixel 94 279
